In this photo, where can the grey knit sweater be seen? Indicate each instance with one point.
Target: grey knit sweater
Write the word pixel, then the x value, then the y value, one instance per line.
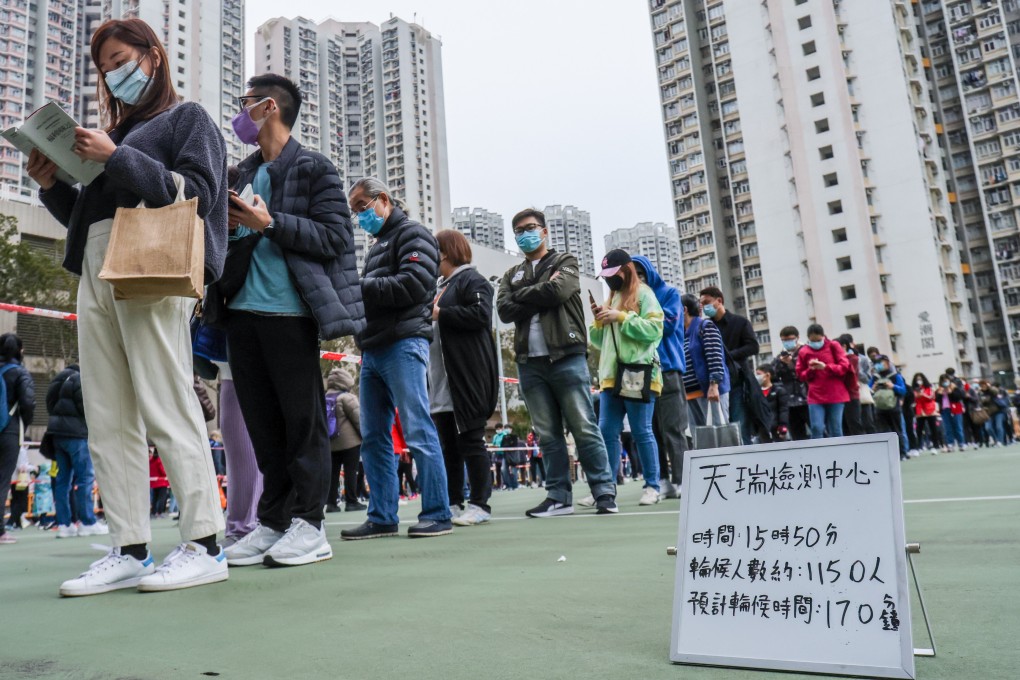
pixel 183 139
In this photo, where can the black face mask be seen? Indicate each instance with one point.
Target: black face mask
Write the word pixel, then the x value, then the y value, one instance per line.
pixel 614 282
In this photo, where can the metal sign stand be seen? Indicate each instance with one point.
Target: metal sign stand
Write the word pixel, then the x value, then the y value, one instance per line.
pixel 915 549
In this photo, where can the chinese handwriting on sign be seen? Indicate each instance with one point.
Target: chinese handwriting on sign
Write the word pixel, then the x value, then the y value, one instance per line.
pixel 764 480
pixel 804 608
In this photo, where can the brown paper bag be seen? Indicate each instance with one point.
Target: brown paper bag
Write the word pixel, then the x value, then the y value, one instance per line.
pixel 157 252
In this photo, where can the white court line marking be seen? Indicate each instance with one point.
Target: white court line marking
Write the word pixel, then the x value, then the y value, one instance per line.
pixel 677 512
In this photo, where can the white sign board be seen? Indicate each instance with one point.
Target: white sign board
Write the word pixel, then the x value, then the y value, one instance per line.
pixel 792 557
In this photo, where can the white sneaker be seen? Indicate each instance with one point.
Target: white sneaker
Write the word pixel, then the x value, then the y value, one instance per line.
pixel 252 548
pixel 302 544
pixel 455 511
pixel 67 531
pixel 189 565
pixel 472 516
pixel 113 572
pixel 649 497
pixel 97 529
pixel 669 489
pixel 587 502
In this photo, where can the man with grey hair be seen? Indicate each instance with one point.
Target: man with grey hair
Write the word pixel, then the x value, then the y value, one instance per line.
pixel 398 287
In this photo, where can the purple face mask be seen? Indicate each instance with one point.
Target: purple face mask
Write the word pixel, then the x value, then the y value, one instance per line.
pixel 246 129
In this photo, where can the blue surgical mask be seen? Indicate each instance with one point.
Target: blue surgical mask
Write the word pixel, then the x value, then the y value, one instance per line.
pixel 789 345
pixel 529 241
pixel 880 366
pixel 128 82
pixel 816 344
pixel 369 220
pixel 710 311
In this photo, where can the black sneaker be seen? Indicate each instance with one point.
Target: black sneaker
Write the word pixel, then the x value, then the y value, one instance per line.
pixel 550 508
pixel 428 528
pixel 354 507
pixel 370 530
pixel 332 508
pixel 606 504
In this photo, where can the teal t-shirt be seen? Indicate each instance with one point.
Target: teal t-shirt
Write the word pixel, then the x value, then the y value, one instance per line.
pixel 268 288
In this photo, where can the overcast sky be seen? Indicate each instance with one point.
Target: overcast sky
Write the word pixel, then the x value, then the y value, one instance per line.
pixel 547 101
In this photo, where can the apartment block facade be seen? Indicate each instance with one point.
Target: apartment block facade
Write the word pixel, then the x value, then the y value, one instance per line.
pixel 848 217
pixel 38 57
pixel 570 231
pixel 971 51
pixel 656 241
pixel 480 226
pixel 374 102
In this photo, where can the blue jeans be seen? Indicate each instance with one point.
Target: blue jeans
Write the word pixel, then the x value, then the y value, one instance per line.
pixel 826 418
pixel 73 462
pixel 558 397
pixel 611 412
pixel 396 376
pixel 952 427
pixel 996 427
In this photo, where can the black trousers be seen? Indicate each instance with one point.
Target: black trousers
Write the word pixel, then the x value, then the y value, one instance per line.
pixel 460 449
pixel 348 459
pixel 275 362
pixel 800 423
pixel 889 421
pixel 405 477
pixel 908 420
pixel 852 424
pixel 160 495
pixel 9 450
pixel 669 422
pixel 934 431
pixel 868 418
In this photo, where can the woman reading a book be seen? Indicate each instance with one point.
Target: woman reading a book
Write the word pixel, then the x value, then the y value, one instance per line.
pixel 136 362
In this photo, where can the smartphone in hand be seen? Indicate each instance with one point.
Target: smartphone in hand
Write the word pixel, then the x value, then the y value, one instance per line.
pixel 594 305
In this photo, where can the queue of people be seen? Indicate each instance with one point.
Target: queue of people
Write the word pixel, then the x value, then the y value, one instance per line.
pixel 280 264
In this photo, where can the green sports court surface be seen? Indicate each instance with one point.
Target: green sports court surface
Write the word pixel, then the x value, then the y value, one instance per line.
pixel 495 601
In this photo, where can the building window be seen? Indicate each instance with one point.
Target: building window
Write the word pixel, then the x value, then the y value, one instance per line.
pixel 825 152
pixel 849 292
pixel 804 22
pixel 809 48
pixel 814 73
pixel 838 235
pixel 843 264
pixel 835 207
pixel 822 125
pixel 831 179
pixel 817 99
pixel 853 321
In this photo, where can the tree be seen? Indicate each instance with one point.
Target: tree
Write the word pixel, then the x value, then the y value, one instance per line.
pixel 32 278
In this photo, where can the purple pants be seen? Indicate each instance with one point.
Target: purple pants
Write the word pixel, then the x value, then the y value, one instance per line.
pixel 244 481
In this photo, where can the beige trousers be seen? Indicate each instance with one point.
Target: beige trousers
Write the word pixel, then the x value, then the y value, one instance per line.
pixel 137 382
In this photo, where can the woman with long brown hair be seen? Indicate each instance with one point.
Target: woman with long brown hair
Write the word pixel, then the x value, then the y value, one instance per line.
pixel 136 363
pixel 627 330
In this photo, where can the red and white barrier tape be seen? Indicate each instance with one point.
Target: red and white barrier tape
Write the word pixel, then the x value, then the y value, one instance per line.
pixel 68 316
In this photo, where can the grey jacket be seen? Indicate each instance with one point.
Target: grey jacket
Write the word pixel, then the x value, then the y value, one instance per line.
pixel 347 410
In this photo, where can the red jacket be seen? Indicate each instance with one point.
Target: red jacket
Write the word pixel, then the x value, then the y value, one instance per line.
pixel 825 385
pixel 924 402
pixel 157 474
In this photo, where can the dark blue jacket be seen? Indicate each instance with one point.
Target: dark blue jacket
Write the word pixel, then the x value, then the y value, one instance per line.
pixel 671 347
pixel 699 357
pixel 312 226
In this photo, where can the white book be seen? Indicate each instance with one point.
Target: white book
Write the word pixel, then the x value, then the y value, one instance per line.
pixel 51 130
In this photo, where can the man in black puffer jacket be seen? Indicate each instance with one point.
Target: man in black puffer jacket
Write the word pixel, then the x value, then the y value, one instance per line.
pixel 71 446
pixel 290 279
pixel 398 287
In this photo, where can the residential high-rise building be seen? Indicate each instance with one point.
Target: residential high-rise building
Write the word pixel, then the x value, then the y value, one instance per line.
pixel 970 55
pixel 570 231
pixel 374 102
pixel 480 226
pixel 832 200
pixel 205 44
pixel 38 52
pixel 656 241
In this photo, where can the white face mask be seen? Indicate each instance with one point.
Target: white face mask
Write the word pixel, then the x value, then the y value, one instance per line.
pixel 760 378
